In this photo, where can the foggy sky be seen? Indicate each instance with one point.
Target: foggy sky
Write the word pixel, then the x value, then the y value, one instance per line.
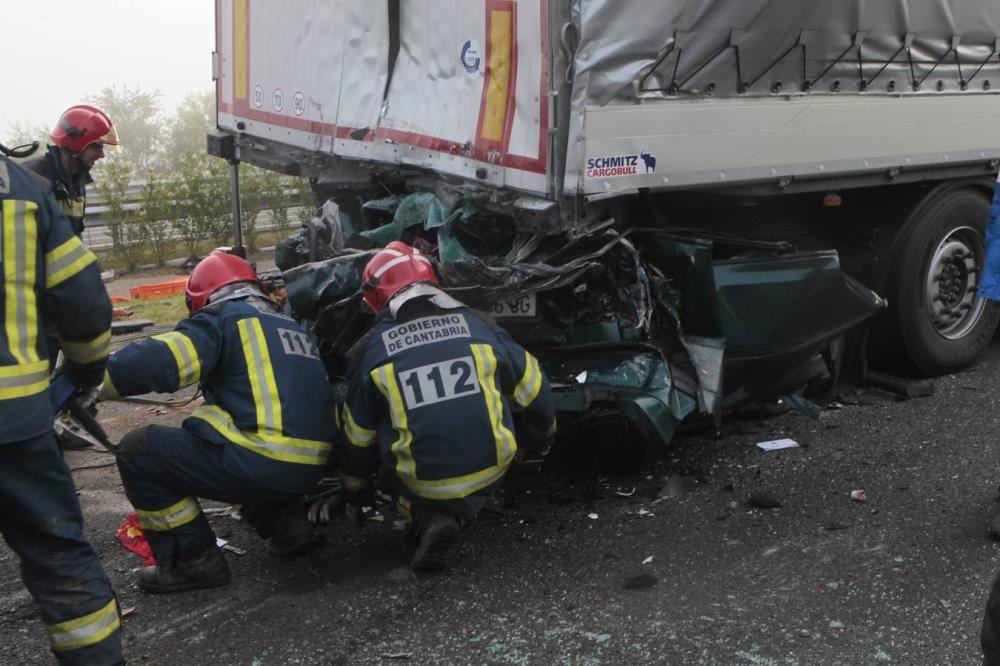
pixel 56 52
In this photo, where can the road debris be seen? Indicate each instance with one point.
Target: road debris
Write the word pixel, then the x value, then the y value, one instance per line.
pixel 676 485
pixel 639 581
pixel 225 545
pixel 858 495
pixel 763 499
pixel 778 445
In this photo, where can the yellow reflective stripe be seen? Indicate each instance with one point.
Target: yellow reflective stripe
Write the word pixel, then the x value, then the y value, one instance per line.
pixel 531 383
pixel 20 381
pixel 404 507
pixel 109 386
pixel 20 244
pixel 357 435
pixel 73 207
pixel 185 355
pixel 265 389
pixel 462 486
pixel 456 487
pixel 65 261
pixel 276 447
pixel 90 351
pixel 552 429
pixel 385 380
pixel 486 365
pixel 175 515
pixel 83 631
pixel 353 484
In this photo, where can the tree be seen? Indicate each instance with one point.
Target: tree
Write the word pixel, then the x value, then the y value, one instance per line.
pixel 137 117
pixel 195 117
pixel 127 236
pixel 157 209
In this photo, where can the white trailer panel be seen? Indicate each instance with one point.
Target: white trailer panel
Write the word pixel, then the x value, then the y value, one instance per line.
pixel 467 94
pixel 713 142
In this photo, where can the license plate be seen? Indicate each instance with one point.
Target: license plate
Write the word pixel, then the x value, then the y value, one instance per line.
pixel 513 308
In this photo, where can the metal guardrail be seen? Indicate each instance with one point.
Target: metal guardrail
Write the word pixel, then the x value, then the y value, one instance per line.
pixel 97 236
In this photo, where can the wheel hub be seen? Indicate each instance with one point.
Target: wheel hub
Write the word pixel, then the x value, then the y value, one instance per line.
pixel 952 281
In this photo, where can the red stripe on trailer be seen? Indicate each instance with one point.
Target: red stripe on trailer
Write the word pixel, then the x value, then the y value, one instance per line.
pixel 241 107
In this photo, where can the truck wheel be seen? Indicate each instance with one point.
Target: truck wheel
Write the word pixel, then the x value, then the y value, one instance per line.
pixel 942 322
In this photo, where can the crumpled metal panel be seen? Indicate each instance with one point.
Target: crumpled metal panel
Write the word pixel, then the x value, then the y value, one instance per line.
pixel 693 44
pixel 640 383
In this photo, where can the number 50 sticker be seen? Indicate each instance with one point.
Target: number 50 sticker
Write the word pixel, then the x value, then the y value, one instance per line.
pixel 438 382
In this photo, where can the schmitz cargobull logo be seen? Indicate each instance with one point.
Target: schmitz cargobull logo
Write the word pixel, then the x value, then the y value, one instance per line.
pixel 617 166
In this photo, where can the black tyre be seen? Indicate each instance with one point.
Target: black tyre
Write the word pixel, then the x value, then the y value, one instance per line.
pixel 942 323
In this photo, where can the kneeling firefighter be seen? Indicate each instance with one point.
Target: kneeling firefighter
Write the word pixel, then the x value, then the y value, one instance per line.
pixel 431 392
pixel 261 439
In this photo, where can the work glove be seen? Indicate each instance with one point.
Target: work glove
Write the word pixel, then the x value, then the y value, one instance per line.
pixel 324 501
pixel 85 376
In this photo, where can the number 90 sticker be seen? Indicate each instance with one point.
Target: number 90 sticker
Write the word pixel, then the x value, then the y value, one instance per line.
pixel 439 382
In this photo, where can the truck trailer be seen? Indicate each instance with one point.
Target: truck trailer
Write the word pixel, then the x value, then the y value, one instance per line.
pixel 678 205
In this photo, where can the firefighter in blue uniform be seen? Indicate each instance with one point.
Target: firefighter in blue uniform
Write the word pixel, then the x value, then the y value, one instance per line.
pixel 79 137
pixel 432 389
pixel 261 439
pixel 49 282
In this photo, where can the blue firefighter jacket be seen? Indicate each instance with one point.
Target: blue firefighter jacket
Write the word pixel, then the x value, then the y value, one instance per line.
pixel 70 192
pixel 989 284
pixel 432 399
pixel 49 283
pixel 267 399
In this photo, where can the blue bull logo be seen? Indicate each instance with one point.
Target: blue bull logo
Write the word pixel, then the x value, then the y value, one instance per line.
pixel 648 160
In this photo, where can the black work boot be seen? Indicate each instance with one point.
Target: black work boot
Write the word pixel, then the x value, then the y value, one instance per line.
pixel 293 535
pixel 205 570
pixel 438 533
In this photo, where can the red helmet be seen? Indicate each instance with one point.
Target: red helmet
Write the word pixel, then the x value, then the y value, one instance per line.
pixel 390 271
pixel 81 125
pixel 214 272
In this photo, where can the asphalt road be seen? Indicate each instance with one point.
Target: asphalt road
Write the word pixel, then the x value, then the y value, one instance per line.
pixel 900 578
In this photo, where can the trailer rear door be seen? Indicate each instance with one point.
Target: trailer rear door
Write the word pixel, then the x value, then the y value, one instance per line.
pixel 455 86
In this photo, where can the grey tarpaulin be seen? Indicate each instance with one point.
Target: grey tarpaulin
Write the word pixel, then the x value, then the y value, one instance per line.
pixel 620 41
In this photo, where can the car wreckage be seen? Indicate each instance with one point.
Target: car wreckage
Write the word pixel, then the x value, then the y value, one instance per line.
pixel 654 198
pixel 639 325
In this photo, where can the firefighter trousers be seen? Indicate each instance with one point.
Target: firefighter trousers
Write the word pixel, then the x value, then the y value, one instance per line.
pixel 41 521
pixel 165 471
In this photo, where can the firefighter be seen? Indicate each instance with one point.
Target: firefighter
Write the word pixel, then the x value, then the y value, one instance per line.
pixel 432 392
pixel 80 135
pixel 50 283
pixel 261 440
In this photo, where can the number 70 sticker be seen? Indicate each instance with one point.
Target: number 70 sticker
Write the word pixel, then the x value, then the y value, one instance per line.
pixel 439 382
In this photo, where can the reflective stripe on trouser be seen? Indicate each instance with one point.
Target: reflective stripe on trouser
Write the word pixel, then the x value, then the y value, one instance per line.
pixel 174 467
pixel 40 519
